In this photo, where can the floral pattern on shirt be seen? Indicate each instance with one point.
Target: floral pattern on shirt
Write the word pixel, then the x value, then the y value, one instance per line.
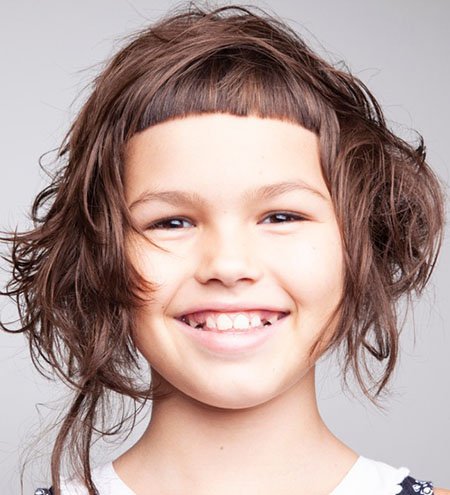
pixel 413 486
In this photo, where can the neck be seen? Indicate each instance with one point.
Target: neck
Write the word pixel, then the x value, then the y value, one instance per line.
pixel 280 443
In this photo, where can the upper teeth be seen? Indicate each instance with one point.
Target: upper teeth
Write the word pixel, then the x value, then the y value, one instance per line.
pixel 222 321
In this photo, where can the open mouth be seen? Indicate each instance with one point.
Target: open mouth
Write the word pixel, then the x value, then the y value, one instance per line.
pixel 240 324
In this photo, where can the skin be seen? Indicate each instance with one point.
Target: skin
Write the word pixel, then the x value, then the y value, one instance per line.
pixel 248 424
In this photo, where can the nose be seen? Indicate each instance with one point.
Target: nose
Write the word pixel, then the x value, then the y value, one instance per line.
pixel 228 257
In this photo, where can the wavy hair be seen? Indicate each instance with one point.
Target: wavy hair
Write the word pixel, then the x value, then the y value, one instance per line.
pixel 74 286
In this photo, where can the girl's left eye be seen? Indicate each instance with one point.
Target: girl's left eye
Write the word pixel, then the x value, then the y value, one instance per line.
pixel 280 215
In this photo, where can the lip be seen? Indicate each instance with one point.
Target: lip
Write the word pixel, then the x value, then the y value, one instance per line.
pixel 226 343
pixel 230 308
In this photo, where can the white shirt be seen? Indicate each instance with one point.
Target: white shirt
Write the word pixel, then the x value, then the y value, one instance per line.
pixel 366 476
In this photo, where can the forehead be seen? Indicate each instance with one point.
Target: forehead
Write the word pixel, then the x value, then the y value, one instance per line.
pixel 223 154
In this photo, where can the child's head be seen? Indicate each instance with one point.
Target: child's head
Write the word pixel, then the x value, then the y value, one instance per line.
pixel 78 278
pixel 240 222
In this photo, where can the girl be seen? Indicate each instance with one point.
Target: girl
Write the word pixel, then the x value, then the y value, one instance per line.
pixel 231 207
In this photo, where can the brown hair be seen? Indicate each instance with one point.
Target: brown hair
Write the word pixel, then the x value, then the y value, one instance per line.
pixel 75 288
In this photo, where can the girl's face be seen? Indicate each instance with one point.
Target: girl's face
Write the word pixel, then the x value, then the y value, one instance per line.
pixel 230 248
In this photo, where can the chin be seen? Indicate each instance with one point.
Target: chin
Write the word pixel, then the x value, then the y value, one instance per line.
pixel 232 396
pixel 231 402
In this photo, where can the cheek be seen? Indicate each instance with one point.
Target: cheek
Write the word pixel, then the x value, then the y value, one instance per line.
pixel 154 265
pixel 313 268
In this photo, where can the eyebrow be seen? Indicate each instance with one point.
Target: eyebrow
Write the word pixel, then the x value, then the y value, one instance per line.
pixel 182 198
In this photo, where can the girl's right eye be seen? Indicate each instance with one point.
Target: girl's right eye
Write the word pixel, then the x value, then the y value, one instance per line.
pixel 161 224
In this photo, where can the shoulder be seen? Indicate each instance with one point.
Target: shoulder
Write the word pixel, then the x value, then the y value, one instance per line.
pixel 385 477
pixel 104 478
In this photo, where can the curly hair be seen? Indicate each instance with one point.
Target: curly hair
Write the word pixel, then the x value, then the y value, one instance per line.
pixel 74 286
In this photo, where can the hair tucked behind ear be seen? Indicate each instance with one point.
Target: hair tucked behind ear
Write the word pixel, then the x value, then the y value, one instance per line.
pixel 75 288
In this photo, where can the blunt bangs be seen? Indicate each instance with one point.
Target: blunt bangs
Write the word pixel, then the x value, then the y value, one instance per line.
pixel 238 81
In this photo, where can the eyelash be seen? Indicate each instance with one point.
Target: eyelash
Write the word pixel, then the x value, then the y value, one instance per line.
pixel 154 226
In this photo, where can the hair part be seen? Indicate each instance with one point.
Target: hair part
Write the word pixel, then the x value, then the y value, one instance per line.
pixel 72 281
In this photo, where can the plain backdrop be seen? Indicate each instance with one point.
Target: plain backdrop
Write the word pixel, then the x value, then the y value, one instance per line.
pixel 400 48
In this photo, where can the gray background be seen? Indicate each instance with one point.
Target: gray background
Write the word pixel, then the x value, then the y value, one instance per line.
pixel 400 48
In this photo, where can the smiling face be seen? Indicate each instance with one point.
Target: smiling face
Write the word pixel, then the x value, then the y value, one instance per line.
pixel 251 226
